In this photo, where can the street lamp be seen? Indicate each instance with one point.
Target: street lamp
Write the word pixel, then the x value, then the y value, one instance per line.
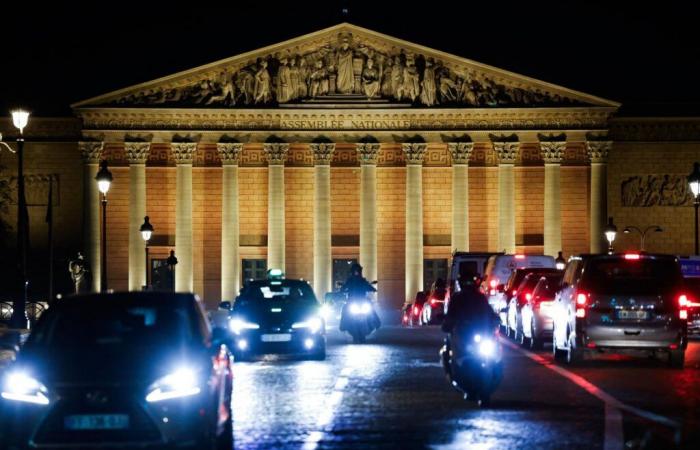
pixel 643 234
pixel 104 181
pixel 560 262
pixel 694 183
pixel 610 233
pixel 20 119
pixel 146 233
pixel 172 262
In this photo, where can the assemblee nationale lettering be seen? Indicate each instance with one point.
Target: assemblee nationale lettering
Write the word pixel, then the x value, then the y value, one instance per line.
pixel 345 124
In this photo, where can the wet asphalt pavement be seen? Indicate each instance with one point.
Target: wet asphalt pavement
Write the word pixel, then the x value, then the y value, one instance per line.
pixel 390 393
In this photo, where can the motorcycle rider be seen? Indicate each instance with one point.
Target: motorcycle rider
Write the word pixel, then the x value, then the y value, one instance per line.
pixel 357 286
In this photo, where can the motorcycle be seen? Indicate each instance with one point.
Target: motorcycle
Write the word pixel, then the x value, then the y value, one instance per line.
pixel 473 362
pixel 359 318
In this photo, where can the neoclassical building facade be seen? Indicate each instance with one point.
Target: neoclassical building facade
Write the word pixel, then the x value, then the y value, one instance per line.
pixel 345 144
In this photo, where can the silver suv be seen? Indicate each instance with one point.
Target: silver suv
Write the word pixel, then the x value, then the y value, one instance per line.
pixel 621 302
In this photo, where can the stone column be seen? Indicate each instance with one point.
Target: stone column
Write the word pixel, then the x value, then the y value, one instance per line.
pixel 460 152
pixel 137 154
pixel 367 155
pixel 276 154
pixel 183 153
pixel 323 261
pixel 552 153
pixel 91 153
pixel 230 257
pixel 506 153
pixel 414 153
pixel 598 152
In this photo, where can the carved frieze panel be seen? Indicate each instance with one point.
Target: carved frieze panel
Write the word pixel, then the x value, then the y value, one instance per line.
pixel 344 64
pixel 655 190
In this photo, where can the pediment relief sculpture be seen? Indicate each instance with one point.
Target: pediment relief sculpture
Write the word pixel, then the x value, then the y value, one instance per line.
pixel 344 64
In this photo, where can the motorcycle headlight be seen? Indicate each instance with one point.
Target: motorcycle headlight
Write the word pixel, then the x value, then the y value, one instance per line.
pixel 181 383
pixel 313 324
pixel 487 348
pixel 20 387
pixel 237 325
pixel 360 308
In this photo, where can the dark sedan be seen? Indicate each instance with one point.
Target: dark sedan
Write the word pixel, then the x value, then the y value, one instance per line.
pixel 123 370
pixel 277 316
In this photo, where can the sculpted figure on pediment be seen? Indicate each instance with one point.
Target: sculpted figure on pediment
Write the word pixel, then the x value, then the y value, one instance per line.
pixel 370 79
pixel 397 78
pixel 303 87
pixel 411 85
pixel 428 89
pixel 345 74
pixel 263 93
pixel 226 91
pixel 285 89
pixel 318 80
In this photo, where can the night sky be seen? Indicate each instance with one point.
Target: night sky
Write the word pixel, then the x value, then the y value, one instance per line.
pixel 646 57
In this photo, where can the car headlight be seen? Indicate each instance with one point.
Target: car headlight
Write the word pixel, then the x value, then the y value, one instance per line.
pixel 313 324
pixel 487 348
pixel 360 308
pixel 237 325
pixel 19 386
pixel 181 383
pixel 326 311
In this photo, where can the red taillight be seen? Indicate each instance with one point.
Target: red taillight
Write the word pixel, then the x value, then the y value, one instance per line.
pixel 433 302
pixel 528 296
pixel 632 256
pixel 591 344
pixel 581 299
pixel 673 346
pixel 580 313
pixel 493 283
pixel 515 291
pixel 416 311
pixel 683 304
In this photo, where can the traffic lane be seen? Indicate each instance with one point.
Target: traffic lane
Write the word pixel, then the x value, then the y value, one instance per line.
pixel 650 384
pixel 398 397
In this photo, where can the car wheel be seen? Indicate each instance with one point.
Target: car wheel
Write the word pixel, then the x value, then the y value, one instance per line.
pixel 535 342
pixel 676 358
pixel 556 352
pixel 574 355
pixel 320 355
pixel 520 337
pixel 225 440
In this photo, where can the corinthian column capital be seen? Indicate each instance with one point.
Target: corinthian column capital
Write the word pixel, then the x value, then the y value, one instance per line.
pixel 460 151
pixel 137 152
pixel 507 152
pixel 229 152
pixel 323 153
pixel 598 150
pixel 91 151
pixel 367 152
pixel 276 153
pixel 552 151
pixel 415 152
pixel 183 152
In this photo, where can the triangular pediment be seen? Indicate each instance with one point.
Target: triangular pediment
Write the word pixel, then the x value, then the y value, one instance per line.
pixel 345 65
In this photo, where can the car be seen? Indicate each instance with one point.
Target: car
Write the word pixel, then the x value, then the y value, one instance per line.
pixel 277 315
pixel 518 291
pixel 692 285
pixel 465 263
pixel 133 370
pixel 536 312
pixel 499 298
pixel 623 302
pixel 434 310
pixel 411 312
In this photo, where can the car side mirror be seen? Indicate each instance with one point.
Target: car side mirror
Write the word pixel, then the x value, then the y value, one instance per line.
pixel 225 305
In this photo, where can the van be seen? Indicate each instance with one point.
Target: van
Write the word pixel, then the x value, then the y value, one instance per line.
pixel 500 267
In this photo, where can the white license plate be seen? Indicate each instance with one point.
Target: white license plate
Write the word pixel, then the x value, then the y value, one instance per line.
pixel 96 422
pixel 627 314
pixel 280 337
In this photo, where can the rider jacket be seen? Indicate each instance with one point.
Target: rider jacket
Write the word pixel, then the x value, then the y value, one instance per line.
pixel 468 305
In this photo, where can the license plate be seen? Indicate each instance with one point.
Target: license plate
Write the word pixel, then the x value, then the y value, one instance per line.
pixel 280 337
pixel 627 314
pixel 96 422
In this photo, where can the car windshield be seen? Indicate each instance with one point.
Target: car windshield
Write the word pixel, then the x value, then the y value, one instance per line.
pixel 284 290
pixel 632 276
pixel 113 325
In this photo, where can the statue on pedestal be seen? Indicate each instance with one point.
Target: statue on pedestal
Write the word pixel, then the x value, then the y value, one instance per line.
pixel 80 274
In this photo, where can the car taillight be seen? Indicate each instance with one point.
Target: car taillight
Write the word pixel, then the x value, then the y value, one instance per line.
pixel 433 302
pixel 528 296
pixel 515 291
pixel 632 256
pixel 493 283
pixel 416 311
pixel 581 302
pixel 683 304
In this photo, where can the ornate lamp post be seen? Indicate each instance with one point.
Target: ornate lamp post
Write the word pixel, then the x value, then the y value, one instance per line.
pixel 20 119
pixel 643 234
pixel 146 233
pixel 560 262
pixel 610 232
pixel 172 262
pixel 694 183
pixel 104 181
